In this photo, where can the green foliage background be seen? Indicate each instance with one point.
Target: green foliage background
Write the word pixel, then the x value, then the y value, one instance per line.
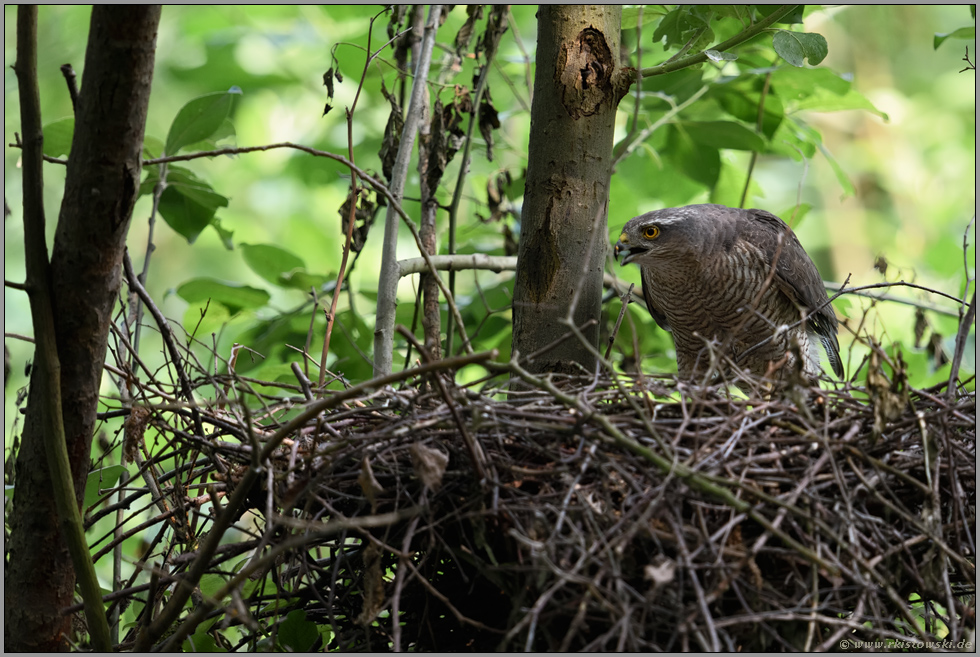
pixel 869 153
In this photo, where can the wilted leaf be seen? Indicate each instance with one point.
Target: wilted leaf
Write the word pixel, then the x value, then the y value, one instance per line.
pixel 364 215
pixel 465 34
pixel 496 26
pixel 393 134
pixel 429 465
pixel 489 121
pixel 374 590
pixel 660 572
pixel 134 429
pixel 497 199
pixel 369 484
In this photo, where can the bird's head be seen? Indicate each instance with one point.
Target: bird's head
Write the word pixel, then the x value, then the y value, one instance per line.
pixel 659 235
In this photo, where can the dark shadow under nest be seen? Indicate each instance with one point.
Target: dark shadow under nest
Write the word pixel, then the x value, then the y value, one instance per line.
pixel 608 518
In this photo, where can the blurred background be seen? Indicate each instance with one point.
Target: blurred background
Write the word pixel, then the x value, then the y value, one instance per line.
pixel 892 183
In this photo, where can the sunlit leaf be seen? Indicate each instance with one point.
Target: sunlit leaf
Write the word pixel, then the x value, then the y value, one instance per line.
pixel 200 119
pixel 724 134
pixel 234 296
pixel 794 47
pixel 100 480
pixel 697 161
pixel 969 33
pixel 57 137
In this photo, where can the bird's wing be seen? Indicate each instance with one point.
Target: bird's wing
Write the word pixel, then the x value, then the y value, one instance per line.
pixel 658 316
pixel 797 278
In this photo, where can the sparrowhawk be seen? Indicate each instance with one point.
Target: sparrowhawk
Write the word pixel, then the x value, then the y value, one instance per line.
pixel 737 277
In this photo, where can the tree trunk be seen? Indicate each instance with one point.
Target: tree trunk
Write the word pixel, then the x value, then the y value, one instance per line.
pixel 578 84
pixel 101 187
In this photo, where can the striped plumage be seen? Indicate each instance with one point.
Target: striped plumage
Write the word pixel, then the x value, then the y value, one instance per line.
pixel 705 267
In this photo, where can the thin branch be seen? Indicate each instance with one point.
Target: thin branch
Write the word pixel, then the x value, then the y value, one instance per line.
pixel 72 82
pixel 758 129
pixel 633 141
pixel 740 38
pixel 490 54
pixel 354 194
pixel 384 330
pixel 477 456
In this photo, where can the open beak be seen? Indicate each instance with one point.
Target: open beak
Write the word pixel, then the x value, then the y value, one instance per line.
pixel 624 252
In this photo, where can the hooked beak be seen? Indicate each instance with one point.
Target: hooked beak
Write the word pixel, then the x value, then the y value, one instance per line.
pixel 624 252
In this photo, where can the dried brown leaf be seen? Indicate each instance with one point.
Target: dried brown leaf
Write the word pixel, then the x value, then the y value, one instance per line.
pixel 429 465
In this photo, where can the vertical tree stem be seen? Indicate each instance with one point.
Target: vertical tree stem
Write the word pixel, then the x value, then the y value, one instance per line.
pixel 47 364
pixel 384 330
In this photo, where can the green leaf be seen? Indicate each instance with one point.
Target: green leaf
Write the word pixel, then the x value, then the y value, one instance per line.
pixel 962 33
pixel 200 119
pixel 794 47
pixel 296 633
pixel 743 104
pixel 270 262
pixel 203 319
pixel 100 480
pixel 152 149
pixel 631 17
pixel 225 131
pixel 211 583
pixel 188 203
pixel 842 178
pixel 233 296
pixel 57 137
pixel 682 24
pixel 697 161
pixel 724 134
pixel 200 641
pixel 281 267
pixel 223 233
pixel 795 16
pixel 819 90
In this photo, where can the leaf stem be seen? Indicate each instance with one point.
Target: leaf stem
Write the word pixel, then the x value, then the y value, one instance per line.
pixel 748 33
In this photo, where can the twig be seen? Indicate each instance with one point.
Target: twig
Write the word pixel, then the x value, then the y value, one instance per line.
pixel 625 298
pixel 354 194
pixel 72 82
pixel 758 129
pixel 736 40
pixel 477 457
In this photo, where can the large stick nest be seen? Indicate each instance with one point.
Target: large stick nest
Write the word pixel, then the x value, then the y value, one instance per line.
pixel 632 516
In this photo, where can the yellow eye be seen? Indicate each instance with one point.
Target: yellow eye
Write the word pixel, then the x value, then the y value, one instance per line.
pixel 651 232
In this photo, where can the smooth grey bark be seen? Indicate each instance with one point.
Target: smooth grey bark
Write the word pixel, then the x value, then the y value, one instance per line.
pixel 384 329
pixel 578 84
